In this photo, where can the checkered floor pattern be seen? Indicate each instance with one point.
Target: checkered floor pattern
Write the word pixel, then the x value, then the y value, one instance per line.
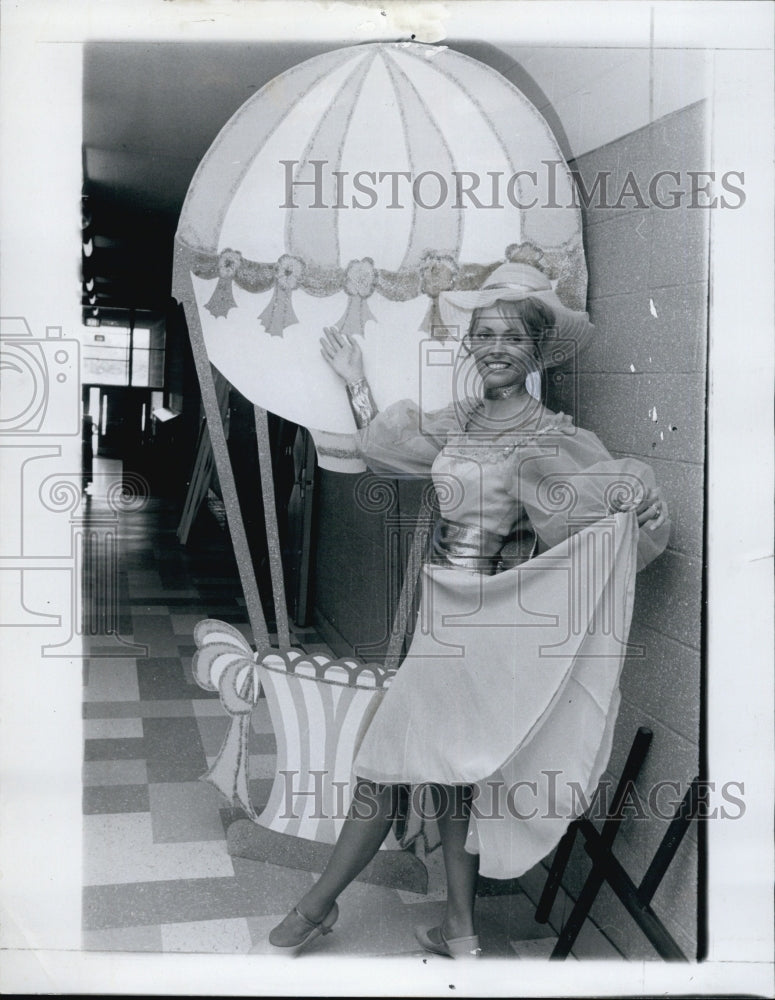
pixel 157 873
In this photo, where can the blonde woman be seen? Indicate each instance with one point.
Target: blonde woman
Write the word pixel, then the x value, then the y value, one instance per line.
pixel 507 712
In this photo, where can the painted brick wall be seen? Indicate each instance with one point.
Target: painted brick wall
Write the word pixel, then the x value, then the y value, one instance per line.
pixel 641 388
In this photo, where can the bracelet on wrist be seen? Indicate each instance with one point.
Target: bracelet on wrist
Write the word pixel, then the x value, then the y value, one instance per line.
pixel 361 401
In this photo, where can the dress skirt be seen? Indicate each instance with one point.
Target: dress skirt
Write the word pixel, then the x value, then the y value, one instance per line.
pixel 511 684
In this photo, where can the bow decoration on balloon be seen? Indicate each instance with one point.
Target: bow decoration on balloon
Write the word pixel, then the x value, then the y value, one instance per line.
pixel 224 662
pixel 279 313
pixel 231 268
pixel 360 280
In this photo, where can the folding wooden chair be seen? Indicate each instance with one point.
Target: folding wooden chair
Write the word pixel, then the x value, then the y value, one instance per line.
pixel 607 869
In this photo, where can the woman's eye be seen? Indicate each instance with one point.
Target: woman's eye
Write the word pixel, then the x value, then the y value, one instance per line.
pixel 506 339
pixel 483 338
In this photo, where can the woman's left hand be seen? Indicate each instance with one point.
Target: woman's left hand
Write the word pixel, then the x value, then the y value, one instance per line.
pixel 650 511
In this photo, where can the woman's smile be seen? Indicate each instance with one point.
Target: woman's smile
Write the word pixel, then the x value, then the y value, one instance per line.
pixel 498 371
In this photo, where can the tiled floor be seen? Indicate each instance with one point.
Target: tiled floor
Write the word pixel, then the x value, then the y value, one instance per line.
pixel 157 873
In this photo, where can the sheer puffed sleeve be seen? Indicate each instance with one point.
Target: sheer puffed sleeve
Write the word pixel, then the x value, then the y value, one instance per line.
pixel 403 440
pixel 566 479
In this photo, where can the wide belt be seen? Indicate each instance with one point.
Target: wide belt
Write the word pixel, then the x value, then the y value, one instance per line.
pixel 469 547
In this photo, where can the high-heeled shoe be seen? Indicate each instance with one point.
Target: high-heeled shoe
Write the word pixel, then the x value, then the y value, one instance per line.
pixel 460 947
pixel 281 937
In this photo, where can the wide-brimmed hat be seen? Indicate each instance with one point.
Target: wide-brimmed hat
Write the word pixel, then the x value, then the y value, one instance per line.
pixel 514 282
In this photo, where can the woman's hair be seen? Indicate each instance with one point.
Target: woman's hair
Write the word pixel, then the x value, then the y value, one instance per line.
pixel 535 314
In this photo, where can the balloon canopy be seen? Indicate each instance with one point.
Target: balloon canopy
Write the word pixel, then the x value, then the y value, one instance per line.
pixel 353 190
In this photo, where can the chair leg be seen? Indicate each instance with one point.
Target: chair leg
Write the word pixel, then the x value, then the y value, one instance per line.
pixel 613 873
pixel 556 872
pixel 670 842
pixel 596 877
pixel 578 914
pixel 606 868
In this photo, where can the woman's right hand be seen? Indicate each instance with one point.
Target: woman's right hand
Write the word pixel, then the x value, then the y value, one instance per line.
pixel 649 509
pixel 342 354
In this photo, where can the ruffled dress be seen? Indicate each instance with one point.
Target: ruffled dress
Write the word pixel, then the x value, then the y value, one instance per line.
pixel 511 681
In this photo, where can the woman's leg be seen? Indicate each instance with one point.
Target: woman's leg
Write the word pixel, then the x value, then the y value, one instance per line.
pixel 461 866
pixel 366 826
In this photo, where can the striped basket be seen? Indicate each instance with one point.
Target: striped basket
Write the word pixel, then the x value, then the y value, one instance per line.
pixel 319 709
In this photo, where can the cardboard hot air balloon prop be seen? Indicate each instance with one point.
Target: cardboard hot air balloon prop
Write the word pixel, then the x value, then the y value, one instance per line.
pixel 353 190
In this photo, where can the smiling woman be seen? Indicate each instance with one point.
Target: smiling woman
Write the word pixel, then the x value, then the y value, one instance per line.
pixel 513 670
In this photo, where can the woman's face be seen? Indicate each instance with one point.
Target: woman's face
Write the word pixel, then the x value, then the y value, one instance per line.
pixel 503 350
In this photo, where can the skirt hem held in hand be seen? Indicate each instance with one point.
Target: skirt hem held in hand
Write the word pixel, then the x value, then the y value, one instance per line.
pixel 511 685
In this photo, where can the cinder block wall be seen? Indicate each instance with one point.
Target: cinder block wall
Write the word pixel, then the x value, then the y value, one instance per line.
pixel 641 388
